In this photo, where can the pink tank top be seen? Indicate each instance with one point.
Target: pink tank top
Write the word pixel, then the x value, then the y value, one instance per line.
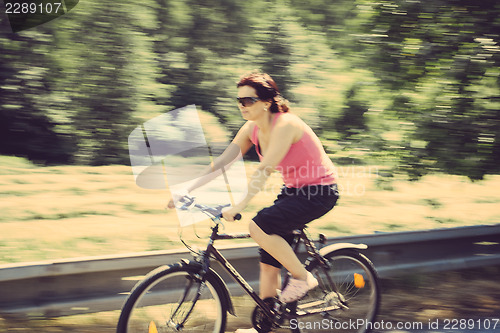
pixel 306 163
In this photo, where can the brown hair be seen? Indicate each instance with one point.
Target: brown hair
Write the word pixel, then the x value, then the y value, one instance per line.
pixel 266 90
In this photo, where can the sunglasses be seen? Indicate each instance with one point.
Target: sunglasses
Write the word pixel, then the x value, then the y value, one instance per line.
pixel 247 101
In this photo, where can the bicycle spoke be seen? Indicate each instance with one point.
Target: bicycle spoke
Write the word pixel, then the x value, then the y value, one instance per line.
pixel 340 296
pixel 177 302
pixel 187 289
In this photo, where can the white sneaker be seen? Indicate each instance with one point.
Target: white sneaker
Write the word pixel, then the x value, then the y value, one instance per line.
pixel 296 289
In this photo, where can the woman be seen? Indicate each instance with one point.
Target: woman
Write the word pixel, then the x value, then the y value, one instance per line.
pixel 284 143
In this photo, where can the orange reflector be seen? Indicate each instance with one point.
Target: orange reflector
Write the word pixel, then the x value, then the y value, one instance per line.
pixel 152 327
pixel 359 281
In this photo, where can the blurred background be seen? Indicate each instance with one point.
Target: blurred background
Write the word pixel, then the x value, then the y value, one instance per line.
pixel 411 84
pixel 403 94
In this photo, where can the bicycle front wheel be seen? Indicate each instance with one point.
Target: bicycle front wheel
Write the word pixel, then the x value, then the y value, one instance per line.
pixel 346 300
pixel 173 299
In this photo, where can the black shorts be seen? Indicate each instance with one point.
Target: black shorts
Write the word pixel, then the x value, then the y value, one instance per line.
pixel 293 209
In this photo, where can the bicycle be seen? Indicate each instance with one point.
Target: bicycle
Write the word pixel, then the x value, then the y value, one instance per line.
pixel 191 296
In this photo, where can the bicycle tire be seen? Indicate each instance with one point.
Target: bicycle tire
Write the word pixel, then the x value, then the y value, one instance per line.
pixel 355 310
pixel 151 305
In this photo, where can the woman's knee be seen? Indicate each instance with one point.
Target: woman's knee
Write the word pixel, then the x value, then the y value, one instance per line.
pixel 269 270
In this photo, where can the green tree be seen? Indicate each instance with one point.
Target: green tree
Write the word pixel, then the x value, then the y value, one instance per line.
pixel 446 55
pixel 196 40
pixel 26 128
pixel 352 120
pixel 104 90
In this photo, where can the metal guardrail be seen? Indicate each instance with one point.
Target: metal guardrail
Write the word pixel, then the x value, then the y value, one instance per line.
pixel 94 284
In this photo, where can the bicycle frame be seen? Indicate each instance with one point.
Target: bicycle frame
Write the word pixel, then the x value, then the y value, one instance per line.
pixel 212 251
pixel 337 267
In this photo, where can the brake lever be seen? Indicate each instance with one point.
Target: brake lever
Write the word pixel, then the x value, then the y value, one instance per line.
pixel 187 202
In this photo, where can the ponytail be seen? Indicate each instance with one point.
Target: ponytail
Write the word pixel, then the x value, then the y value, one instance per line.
pixel 266 89
pixel 279 104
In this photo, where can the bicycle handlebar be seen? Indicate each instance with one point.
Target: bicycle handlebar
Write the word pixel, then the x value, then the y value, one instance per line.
pixel 215 212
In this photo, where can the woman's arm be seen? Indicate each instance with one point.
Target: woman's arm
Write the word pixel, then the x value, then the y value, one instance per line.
pixel 240 145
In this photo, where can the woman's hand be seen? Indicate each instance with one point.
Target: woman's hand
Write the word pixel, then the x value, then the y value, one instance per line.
pixel 229 214
pixel 176 196
pixel 171 204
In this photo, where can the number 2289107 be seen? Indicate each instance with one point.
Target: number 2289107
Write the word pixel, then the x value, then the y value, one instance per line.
pixel 33 8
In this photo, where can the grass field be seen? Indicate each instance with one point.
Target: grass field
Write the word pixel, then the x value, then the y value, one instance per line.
pixel 73 211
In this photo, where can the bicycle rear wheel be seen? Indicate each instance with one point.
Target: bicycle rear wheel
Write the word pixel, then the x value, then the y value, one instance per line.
pixel 346 300
pixel 167 301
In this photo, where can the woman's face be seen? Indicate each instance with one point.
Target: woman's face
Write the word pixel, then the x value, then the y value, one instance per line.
pixel 256 109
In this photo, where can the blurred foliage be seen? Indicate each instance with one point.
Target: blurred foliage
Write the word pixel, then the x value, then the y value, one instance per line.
pixel 410 84
pixel 444 61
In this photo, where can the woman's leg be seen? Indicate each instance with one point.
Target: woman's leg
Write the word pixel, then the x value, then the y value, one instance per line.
pixel 277 247
pixel 269 280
